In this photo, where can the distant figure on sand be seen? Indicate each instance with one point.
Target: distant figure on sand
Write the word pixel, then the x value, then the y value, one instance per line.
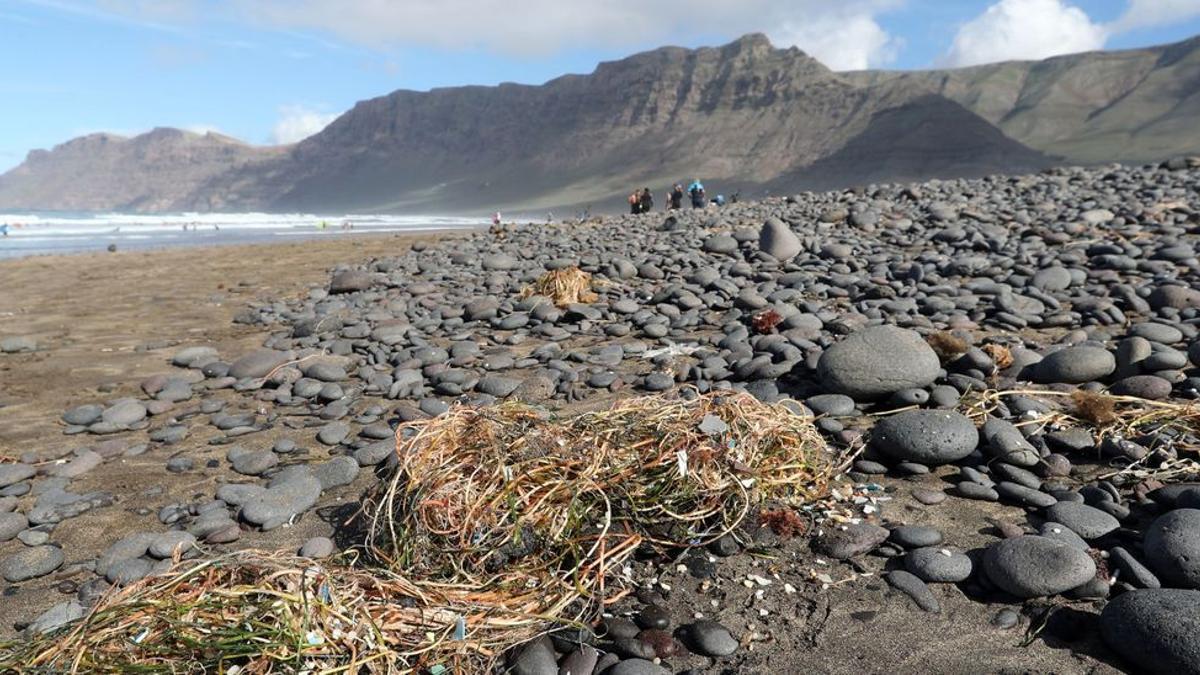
pixel 496 218
pixel 635 202
pixel 696 191
pixel 677 197
pixel 645 201
pixel 4 229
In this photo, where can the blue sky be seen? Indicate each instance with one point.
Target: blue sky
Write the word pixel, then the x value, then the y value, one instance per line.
pixel 275 70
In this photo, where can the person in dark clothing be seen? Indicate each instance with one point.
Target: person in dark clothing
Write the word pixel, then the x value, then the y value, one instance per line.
pixel 646 201
pixel 677 197
pixel 635 203
pixel 696 191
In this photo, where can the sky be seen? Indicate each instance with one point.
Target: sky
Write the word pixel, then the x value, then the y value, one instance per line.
pixel 276 71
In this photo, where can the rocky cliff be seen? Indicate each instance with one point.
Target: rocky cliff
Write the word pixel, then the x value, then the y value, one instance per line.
pixel 745 115
pixel 156 171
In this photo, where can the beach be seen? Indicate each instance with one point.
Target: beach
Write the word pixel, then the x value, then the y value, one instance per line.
pixel 106 321
pixel 198 401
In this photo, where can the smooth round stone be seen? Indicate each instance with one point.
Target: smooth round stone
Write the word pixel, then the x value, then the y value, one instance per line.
pixel 833 405
pixel 11 524
pixel 927 436
pixel 913 587
pixel 125 413
pixel 581 661
pixel 1030 566
pixel 128 571
pixel 284 446
pixel 370 455
pixel 281 502
pixel 1075 365
pixel 658 382
pixel 165 545
pixel 535 658
pixel 254 462
pixel 11 474
pixel 1024 495
pixel 710 638
pixel 929 497
pixel 317 548
pixel 870 468
pixel 721 243
pixel 1086 521
pixel 653 616
pixel 845 542
pixel 83 415
pixel 915 536
pixel 1172 547
pixel 1060 532
pixel 1132 570
pixel 876 362
pixel 31 563
pixel 912 469
pixel 633 648
pixel 333 433
pixel 616 627
pixel 971 490
pixel 1149 387
pixel 1157 332
pixel 938 565
pixel 1006 619
pixel 339 471
pixel 1158 629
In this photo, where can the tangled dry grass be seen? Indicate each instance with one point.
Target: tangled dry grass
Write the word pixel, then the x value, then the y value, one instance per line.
pixel 1170 422
pixel 495 525
pixel 566 286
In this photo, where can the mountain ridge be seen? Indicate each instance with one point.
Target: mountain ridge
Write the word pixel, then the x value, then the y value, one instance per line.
pixel 745 114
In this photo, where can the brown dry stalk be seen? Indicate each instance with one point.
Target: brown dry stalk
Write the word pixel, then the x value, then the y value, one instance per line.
pixel 496 525
pixel 567 286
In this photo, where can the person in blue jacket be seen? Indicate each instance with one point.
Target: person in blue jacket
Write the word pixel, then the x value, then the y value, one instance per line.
pixel 696 191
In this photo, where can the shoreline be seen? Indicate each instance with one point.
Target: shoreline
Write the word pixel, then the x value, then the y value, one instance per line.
pixel 308 356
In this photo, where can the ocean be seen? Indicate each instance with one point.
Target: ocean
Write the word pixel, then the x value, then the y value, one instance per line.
pixel 42 233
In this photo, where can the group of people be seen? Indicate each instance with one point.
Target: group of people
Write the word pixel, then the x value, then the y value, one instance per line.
pixel 642 201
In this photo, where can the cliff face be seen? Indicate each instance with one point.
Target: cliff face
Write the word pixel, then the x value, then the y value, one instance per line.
pixel 155 171
pixel 745 115
pixel 1138 105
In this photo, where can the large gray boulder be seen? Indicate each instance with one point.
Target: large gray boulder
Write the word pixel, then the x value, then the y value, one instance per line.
pixel 1075 365
pixel 1155 630
pixel 258 363
pixel 777 240
pixel 878 361
pixel 926 436
pixel 1172 545
pixel 1030 566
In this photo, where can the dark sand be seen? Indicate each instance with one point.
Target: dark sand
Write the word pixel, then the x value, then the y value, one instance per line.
pixel 104 322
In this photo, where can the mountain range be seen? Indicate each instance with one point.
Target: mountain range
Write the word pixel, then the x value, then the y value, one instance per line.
pixel 744 116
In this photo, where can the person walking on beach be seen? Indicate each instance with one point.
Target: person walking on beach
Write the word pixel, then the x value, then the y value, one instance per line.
pixel 635 203
pixel 677 197
pixel 4 229
pixel 696 191
pixel 645 201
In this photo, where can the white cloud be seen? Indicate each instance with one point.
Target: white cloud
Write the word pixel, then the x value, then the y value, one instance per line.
pixel 1150 13
pixel 1025 29
pixel 852 41
pixel 845 35
pixel 298 122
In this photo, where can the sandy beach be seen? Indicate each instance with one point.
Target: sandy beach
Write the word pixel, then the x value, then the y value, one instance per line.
pixel 104 323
